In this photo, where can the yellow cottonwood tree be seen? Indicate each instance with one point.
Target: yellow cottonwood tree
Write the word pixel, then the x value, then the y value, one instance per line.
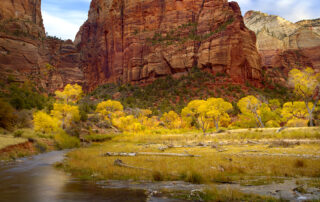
pixel 146 120
pixel 171 120
pixel 205 112
pixel 65 113
pixel 127 123
pixel 252 107
pixel 70 94
pixel 273 117
pixel 192 112
pixel 295 110
pixel 110 109
pixel 306 85
pixel 217 109
pixel 151 123
pixel 45 123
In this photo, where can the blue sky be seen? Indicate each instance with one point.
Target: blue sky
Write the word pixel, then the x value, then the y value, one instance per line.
pixel 63 18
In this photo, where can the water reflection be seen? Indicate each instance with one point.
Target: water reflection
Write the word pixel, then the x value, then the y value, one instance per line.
pixel 36 180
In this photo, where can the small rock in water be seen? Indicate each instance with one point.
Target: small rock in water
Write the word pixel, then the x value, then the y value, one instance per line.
pixel 196 194
pixel 302 198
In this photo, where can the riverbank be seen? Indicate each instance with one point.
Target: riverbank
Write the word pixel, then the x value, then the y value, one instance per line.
pixel 35 179
pixel 26 144
pixel 242 158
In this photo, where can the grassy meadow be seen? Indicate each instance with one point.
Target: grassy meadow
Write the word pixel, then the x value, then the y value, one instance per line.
pixel 6 141
pixel 223 157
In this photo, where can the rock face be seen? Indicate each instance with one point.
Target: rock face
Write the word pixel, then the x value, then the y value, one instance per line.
pixel 27 54
pixel 283 44
pixel 138 41
pixel 129 42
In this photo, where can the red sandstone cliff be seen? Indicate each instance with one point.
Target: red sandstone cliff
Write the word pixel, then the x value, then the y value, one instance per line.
pixel 128 41
pixel 27 54
pixel 138 41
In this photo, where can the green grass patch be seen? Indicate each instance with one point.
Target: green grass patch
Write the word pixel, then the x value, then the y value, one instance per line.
pixel 65 141
pixel 99 137
pixel 7 140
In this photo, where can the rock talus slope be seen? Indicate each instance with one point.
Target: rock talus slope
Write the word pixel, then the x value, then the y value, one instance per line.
pixel 283 44
pixel 138 41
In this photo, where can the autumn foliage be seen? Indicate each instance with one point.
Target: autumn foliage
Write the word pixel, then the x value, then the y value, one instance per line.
pixel 209 114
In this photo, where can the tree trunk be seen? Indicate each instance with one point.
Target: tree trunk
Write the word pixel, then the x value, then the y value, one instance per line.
pixel 217 125
pixel 259 119
pixel 261 123
pixel 202 124
pixel 311 120
pixel 204 131
pixel 310 111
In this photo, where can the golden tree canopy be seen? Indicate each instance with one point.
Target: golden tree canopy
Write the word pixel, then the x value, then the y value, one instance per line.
pixel 306 82
pixel 65 113
pixel 295 110
pixel 110 108
pixel 45 123
pixel 71 93
pixel 171 120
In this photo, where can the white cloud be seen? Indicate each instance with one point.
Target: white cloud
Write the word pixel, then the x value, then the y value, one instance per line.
pixel 292 10
pixel 60 27
pixel 64 18
pixel 62 21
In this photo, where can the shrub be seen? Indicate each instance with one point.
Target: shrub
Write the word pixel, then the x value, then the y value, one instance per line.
pixel 18 133
pixel 83 116
pixel 25 97
pixel 64 141
pixel 297 123
pixel 7 116
pixel 98 137
pixel 194 177
pixel 299 163
pixel 157 176
pixel 41 147
pixel 272 124
pixel 45 123
pixel 23 119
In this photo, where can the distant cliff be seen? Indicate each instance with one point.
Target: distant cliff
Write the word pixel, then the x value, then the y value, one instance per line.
pixel 283 44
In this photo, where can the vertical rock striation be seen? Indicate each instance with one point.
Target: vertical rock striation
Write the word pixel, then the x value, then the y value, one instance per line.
pixel 138 41
pixel 128 42
pixel 27 54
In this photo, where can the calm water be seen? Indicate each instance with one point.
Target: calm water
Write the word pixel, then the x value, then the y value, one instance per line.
pixel 36 179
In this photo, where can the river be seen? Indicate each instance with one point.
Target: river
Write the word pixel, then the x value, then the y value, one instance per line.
pixel 35 179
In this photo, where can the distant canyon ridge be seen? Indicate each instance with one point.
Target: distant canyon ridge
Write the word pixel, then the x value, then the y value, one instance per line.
pixel 284 45
pixel 140 41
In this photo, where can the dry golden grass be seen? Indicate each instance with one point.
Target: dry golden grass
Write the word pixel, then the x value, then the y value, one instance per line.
pixel 6 141
pixel 235 162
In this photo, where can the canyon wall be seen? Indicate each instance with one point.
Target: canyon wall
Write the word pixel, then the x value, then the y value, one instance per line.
pixel 128 42
pixel 285 45
pixel 27 54
pixel 138 41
